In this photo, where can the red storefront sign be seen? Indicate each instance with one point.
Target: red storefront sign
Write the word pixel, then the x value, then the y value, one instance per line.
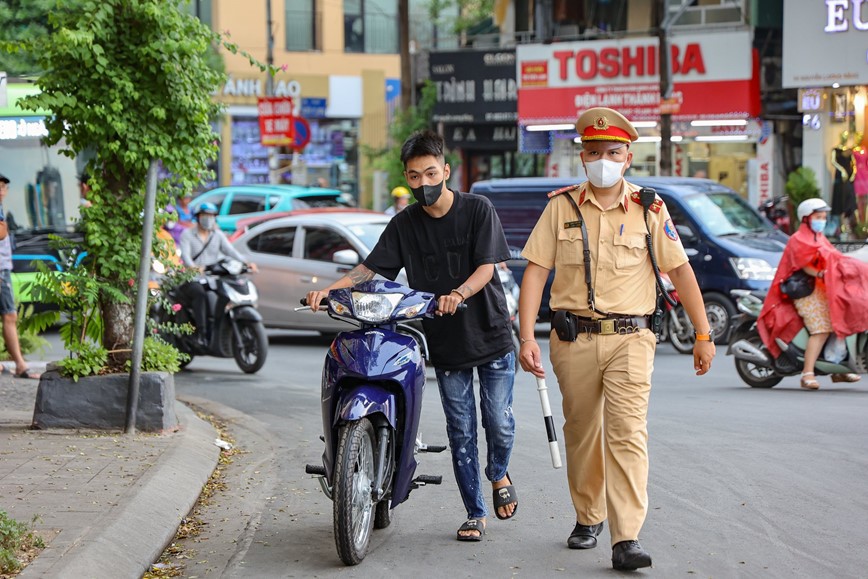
pixel 714 76
pixel 275 121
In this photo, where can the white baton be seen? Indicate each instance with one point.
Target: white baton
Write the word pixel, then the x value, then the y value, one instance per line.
pixel 550 424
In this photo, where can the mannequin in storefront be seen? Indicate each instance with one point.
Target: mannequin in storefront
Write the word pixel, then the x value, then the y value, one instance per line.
pixel 843 194
pixel 860 183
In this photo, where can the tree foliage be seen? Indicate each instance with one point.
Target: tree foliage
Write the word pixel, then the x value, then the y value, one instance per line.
pixel 23 20
pixel 131 81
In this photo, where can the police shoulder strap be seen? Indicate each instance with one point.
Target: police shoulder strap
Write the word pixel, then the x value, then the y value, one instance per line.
pixel 586 254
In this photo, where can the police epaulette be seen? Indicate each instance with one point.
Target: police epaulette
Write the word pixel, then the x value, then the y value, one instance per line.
pixel 557 192
pixel 655 207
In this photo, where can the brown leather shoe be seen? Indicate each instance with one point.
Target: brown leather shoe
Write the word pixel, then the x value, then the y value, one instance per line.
pixel 846 377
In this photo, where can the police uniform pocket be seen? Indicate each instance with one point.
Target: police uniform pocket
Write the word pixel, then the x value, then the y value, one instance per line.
pixel 630 250
pixel 569 247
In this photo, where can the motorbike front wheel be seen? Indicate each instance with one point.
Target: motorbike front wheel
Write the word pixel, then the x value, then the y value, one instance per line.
pixel 252 350
pixel 353 502
pixel 756 376
pixel 680 330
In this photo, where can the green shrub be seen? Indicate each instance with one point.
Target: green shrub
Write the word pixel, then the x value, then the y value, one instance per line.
pixel 801 185
pixel 15 536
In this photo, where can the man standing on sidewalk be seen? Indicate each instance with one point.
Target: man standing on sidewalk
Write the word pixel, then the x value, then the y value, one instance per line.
pixel 7 297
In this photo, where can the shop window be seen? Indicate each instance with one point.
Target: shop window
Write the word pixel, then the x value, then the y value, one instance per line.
pixel 278 241
pixel 371 26
pixel 604 16
pixel 302 26
pixel 321 244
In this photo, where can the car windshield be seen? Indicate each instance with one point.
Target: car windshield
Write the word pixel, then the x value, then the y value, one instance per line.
pixel 368 233
pixel 725 214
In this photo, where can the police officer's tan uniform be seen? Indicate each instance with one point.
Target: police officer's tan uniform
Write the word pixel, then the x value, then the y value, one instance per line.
pixel 605 378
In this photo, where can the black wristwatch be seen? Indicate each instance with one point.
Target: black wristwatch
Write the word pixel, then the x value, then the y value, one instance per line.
pixel 707 337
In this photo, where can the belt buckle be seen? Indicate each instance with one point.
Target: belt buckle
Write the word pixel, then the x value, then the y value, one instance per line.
pixel 607 327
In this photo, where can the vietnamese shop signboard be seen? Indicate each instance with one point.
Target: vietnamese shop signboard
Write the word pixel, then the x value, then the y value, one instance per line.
pixel 474 87
pixel 713 77
pixel 825 43
pixel 275 121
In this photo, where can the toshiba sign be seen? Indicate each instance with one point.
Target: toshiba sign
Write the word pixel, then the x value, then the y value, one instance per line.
pixel 713 77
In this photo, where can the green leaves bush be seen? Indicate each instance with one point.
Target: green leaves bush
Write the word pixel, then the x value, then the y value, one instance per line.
pixel 15 536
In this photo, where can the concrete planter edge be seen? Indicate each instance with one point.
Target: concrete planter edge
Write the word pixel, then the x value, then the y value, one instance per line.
pixel 100 402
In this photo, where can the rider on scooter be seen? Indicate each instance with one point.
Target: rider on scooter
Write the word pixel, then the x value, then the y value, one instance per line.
pixel 202 246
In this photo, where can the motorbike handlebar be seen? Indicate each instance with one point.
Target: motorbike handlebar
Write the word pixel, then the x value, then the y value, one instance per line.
pixel 323 302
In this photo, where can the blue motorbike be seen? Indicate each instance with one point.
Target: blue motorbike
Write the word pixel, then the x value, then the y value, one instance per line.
pixel 372 387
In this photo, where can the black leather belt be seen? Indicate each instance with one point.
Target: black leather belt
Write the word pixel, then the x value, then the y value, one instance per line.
pixel 613 324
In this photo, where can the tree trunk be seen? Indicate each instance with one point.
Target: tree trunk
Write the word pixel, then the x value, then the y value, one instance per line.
pixel 117 332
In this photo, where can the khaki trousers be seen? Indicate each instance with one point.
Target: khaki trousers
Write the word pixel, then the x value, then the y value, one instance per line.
pixel 605 382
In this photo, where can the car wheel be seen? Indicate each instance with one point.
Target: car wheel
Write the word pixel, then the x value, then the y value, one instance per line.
pixel 720 311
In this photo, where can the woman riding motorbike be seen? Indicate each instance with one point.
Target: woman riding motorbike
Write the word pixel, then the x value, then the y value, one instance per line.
pixel 836 303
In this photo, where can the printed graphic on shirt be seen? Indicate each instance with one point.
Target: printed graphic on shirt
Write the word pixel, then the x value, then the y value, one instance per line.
pixel 670 230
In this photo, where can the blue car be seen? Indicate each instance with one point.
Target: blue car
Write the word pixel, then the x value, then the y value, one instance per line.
pixel 241 201
pixel 729 243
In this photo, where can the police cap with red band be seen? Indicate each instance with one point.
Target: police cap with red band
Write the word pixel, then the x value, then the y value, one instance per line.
pixel 604 124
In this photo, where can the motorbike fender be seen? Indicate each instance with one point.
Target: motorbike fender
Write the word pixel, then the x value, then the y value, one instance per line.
pixel 365 400
pixel 245 313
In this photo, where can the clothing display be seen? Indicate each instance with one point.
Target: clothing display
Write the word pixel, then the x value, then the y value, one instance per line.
pixel 860 182
pixel 843 194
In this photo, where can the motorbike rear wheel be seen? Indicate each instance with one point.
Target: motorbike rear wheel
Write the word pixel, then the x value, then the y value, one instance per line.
pixel 251 353
pixel 353 503
pixel 682 339
pixel 756 376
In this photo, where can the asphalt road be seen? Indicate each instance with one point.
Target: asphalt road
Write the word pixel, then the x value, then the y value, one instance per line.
pixel 744 483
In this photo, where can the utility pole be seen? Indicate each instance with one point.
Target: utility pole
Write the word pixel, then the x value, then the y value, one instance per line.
pixel 665 65
pixel 407 87
pixel 273 161
pixel 665 58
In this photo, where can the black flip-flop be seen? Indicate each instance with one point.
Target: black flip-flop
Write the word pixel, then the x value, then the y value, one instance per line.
pixel 27 374
pixel 505 496
pixel 471 525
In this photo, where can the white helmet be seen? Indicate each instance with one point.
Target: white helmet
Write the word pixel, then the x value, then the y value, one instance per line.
pixel 811 206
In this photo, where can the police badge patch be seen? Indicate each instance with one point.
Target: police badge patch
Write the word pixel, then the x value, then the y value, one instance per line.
pixel 669 228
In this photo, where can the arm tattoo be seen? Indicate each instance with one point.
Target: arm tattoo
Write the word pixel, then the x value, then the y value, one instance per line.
pixel 465 290
pixel 359 274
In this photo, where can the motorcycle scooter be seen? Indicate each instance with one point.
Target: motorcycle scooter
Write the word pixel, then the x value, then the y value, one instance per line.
pixel 754 363
pixel 235 328
pixel 372 387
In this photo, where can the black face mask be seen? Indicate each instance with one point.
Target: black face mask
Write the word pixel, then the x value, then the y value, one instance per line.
pixel 427 194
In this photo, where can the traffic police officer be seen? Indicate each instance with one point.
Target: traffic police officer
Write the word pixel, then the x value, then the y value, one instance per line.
pixel 602 347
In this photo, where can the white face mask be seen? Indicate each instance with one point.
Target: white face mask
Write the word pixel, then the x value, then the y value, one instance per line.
pixel 206 222
pixel 604 173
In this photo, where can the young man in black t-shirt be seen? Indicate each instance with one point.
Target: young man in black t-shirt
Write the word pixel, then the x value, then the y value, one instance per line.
pixel 449 243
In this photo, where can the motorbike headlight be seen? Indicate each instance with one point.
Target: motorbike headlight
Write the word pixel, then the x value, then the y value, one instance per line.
pixel 375 308
pixel 752 268
pixel 233 266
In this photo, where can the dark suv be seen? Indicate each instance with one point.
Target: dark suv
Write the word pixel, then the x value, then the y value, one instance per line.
pixel 730 245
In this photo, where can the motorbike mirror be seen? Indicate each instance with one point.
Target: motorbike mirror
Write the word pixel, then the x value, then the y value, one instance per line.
pixel 346 257
pixel 686 233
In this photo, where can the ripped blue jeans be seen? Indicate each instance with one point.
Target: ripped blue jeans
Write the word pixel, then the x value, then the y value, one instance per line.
pixel 459 404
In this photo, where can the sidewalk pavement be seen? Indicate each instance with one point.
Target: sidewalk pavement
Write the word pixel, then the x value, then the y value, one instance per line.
pixel 107 503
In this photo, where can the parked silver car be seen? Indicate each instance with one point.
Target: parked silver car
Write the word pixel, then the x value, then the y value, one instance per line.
pixel 300 253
